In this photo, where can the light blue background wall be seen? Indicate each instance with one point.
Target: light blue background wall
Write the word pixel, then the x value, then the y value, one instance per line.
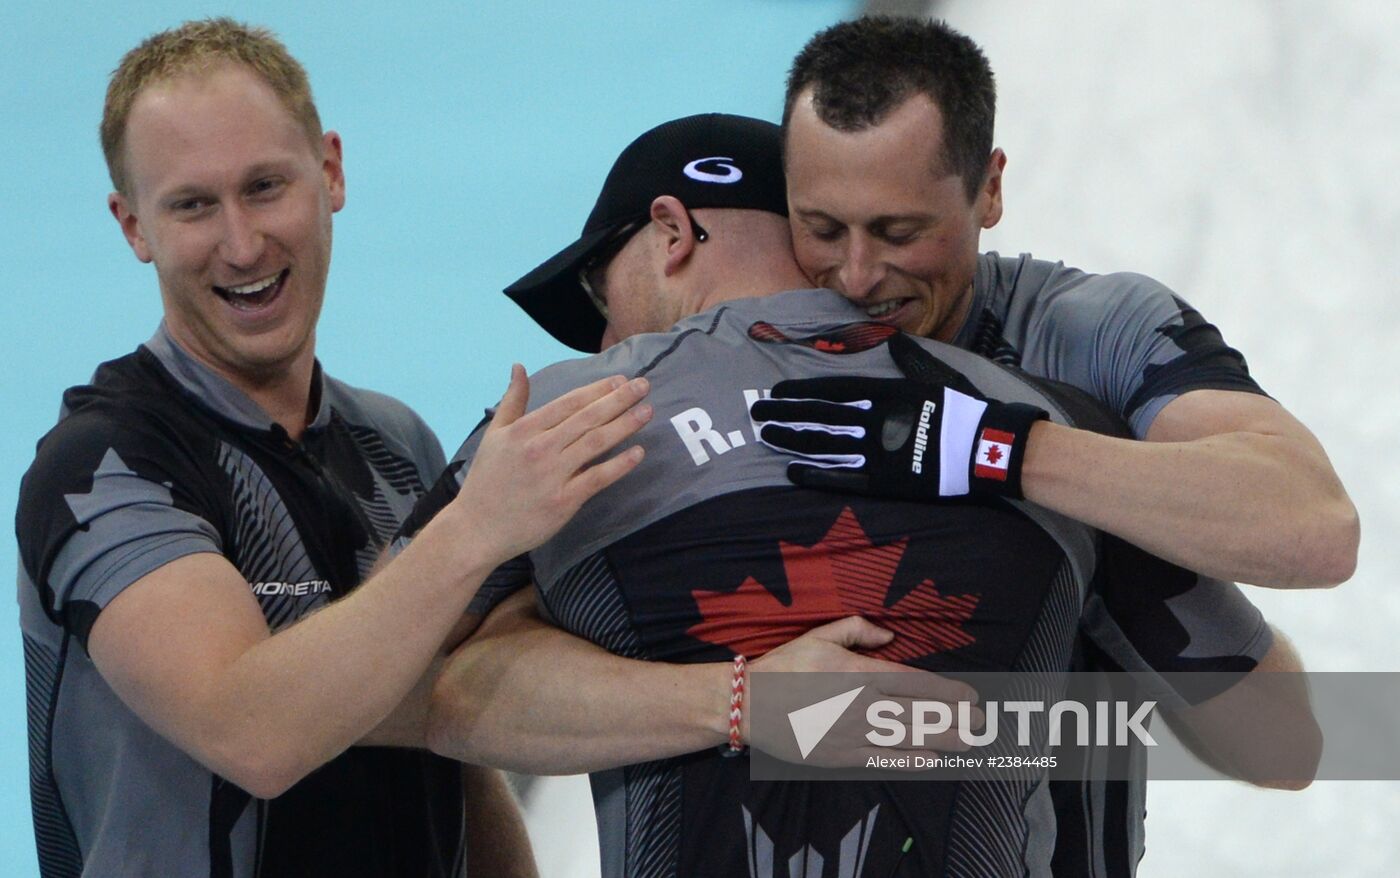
pixel 476 136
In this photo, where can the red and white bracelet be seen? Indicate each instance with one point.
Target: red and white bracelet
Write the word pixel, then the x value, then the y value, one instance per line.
pixel 736 705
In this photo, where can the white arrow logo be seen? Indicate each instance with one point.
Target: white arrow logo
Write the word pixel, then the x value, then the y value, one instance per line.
pixel 811 723
pixel 731 174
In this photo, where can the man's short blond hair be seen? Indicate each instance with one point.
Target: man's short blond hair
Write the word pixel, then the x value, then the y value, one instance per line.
pixel 193 47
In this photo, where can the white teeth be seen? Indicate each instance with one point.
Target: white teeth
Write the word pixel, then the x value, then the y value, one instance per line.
pixel 883 308
pixel 256 286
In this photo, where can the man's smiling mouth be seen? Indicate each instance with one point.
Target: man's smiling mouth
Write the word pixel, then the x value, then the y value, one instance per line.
pixel 883 308
pixel 251 296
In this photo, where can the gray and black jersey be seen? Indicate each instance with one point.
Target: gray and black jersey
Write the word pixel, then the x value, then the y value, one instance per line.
pixel 1133 345
pixel 1123 338
pixel 708 551
pixel 160 458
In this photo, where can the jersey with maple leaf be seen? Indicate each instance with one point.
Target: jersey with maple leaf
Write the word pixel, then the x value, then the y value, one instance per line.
pixel 708 551
pixel 768 564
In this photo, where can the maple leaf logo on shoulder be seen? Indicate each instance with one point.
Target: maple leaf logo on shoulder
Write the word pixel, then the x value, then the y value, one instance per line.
pixel 850 339
pixel 843 574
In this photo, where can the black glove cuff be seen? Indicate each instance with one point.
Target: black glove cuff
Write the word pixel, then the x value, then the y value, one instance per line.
pixel 999 448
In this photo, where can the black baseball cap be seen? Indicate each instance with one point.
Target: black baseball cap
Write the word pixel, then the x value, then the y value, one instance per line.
pixel 710 160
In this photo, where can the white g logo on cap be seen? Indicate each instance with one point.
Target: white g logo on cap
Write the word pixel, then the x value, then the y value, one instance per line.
pixel 731 174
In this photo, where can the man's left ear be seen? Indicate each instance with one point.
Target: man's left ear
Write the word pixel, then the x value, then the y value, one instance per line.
pixel 990 196
pixel 679 233
pixel 333 167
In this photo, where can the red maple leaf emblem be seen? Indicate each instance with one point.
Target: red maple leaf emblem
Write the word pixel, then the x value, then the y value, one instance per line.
pixel 844 574
pixel 993 453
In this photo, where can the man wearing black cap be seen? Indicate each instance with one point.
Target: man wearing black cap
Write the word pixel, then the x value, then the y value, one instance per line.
pixel 749 176
pixel 712 555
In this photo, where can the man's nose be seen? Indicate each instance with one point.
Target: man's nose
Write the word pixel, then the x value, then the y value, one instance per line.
pixel 862 270
pixel 242 243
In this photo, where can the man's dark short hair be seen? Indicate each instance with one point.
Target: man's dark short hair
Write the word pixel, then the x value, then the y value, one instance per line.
pixel 860 71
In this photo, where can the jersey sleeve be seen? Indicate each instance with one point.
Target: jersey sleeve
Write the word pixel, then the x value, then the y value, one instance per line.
pixel 1149 616
pixel 1133 344
pixel 103 505
pixel 1146 615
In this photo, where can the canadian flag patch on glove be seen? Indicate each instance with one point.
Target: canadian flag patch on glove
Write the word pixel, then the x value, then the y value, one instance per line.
pixel 993 455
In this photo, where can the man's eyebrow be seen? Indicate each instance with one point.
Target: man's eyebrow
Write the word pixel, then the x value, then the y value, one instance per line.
pixel 180 193
pixel 891 219
pixel 262 169
pixel 884 219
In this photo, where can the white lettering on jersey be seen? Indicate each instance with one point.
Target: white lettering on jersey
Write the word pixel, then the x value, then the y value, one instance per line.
pixel 751 397
pixel 294 589
pixel 696 429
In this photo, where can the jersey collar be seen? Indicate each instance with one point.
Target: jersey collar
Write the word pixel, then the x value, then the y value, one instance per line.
pixel 983 280
pixel 218 394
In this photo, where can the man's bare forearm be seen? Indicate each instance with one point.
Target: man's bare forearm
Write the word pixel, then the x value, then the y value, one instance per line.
pixel 1256 501
pixel 407 725
pixel 223 688
pixel 526 696
pixel 1262 730
pixel 189 650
